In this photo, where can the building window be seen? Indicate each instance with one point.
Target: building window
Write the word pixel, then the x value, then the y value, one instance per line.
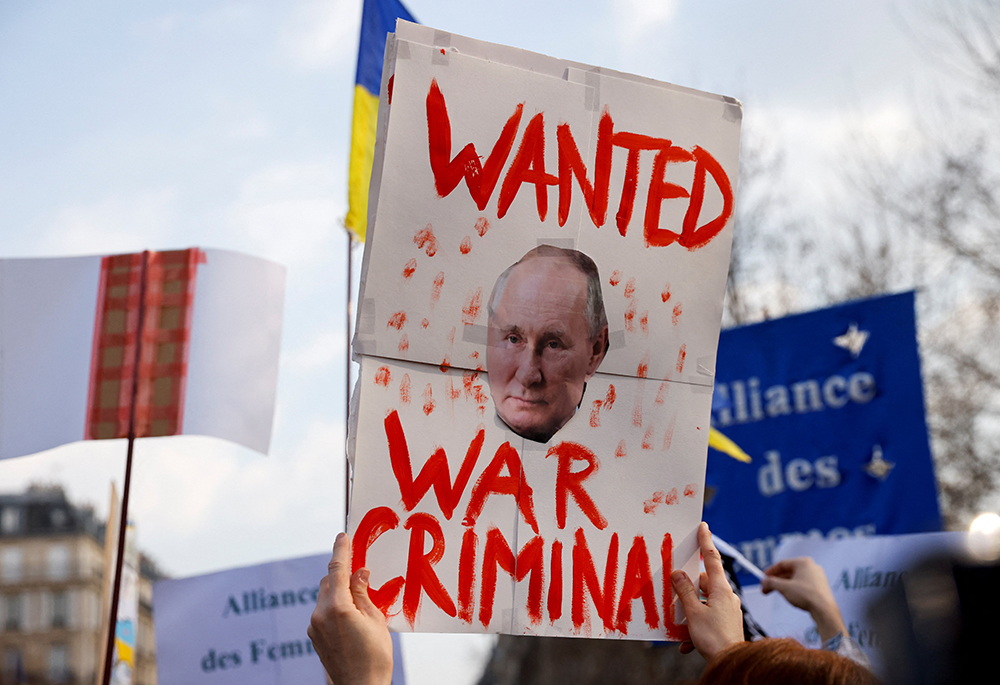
pixel 11 560
pixel 14 615
pixel 10 520
pixel 58 562
pixel 59 664
pixel 13 666
pixel 60 609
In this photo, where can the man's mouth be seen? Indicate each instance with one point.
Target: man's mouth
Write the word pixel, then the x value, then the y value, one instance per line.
pixel 527 401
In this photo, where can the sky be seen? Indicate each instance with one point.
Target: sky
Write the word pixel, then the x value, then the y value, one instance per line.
pixel 131 126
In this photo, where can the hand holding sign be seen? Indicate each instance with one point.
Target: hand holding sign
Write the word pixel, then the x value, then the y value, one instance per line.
pixel 347 629
pixel 718 623
pixel 803 583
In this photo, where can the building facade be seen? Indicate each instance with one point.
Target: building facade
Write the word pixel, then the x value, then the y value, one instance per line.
pixel 52 576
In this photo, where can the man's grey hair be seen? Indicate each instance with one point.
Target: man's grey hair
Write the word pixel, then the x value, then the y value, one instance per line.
pixel 597 318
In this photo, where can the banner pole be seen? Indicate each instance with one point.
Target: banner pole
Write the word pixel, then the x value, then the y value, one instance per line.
pixel 347 384
pixel 123 521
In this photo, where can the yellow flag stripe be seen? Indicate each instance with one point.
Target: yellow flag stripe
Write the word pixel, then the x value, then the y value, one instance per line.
pixel 717 440
pixel 362 153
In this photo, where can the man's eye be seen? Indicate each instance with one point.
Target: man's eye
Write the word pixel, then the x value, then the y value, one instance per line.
pixel 513 339
pixel 554 345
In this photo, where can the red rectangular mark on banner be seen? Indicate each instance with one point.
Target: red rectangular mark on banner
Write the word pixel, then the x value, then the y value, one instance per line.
pixel 166 335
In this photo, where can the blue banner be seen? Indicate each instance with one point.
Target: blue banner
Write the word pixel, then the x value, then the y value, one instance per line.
pixel 829 405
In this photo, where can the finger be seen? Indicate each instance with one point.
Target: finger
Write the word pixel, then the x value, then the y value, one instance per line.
pixel 772 583
pixel 685 592
pixel 359 591
pixel 340 571
pixel 783 568
pixel 713 560
pixel 703 583
pixel 687 647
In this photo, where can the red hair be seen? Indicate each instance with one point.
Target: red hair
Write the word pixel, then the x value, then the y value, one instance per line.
pixel 783 662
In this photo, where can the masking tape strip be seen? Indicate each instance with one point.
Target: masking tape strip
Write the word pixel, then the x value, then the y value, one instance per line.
pixel 442 39
pixel 733 109
pixel 366 326
pixel 703 366
pixel 593 96
pixel 367 347
pixel 566 243
pixel 616 340
pixel 475 334
pixel 402 49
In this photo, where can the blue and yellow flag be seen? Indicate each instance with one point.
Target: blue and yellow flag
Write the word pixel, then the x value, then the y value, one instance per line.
pixel 378 17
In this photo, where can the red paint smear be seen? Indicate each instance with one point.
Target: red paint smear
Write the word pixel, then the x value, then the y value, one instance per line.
pixel 382 376
pixel 468 378
pixel 671 497
pixel 569 482
pixel 555 585
pixel 638 584
pixel 425 240
pixel 665 295
pixel 671 630
pixel 644 322
pixel 453 392
pixel 434 472
pixel 690 490
pixel 404 389
pixel 390 88
pixel 637 411
pixel 650 505
pixel 630 317
pixel 643 369
pixel 420 574
pixel 436 287
pixel 404 343
pixel 680 357
pixel 609 399
pixel 480 397
pixel 668 437
pixel 397 321
pixel 442 51
pixel 630 287
pixel 647 439
pixel 375 522
pixel 677 313
pixel 410 267
pixel 474 355
pixel 585 578
pixel 425 323
pixel 466 246
pixel 451 336
pixel 482 225
pixel 467 575
pixel 661 394
pixel 615 279
pixel 429 402
pixel 622 450
pixel 595 414
pixel 445 364
pixel 470 312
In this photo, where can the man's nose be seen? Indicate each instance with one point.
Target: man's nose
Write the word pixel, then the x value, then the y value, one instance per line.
pixel 529 369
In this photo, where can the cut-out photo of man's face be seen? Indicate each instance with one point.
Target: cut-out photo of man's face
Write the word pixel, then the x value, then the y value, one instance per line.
pixel 548 334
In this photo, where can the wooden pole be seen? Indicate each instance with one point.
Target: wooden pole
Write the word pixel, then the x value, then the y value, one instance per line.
pixel 123 522
pixel 347 382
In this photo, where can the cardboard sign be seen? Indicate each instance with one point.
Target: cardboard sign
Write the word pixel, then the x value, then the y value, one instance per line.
pixel 829 405
pixel 540 305
pixel 245 626
pixel 860 570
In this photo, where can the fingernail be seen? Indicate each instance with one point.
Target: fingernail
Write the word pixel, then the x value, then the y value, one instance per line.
pixel 364 575
pixel 340 536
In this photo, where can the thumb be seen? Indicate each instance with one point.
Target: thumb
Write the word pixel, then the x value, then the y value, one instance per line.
pixel 359 591
pixel 684 589
pixel 771 583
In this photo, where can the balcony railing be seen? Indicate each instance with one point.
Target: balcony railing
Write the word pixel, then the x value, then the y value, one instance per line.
pixel 32 574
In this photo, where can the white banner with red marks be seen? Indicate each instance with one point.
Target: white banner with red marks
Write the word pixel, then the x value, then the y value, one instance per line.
pixel 541 299
pixel 208 361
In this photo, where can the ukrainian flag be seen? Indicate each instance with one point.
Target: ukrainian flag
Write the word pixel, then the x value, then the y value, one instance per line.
pixel 378 17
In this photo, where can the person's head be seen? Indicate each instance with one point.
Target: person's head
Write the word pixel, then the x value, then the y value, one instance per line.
pixel 783 662
pixel 548 333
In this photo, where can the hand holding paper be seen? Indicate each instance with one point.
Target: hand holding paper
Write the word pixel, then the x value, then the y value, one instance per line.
pixel 803 583
pixel 347 629
pixel 718 622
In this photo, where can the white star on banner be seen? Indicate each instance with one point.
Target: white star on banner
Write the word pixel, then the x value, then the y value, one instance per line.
pixel 853 340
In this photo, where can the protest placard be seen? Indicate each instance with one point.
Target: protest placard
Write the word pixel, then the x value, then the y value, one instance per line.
pixel 541 297
pixel 244 626
pixel 829 405
pixel 860 571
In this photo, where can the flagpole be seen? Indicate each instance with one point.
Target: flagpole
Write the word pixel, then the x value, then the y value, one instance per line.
pixel 347 383
pixel 123 521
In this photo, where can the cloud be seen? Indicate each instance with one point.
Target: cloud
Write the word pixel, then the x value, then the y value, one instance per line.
pixel 120 223
pixel 320 35
pixel 638 19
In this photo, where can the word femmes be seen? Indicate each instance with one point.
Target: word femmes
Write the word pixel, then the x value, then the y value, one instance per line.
pixel 528 166
pixel 537 559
